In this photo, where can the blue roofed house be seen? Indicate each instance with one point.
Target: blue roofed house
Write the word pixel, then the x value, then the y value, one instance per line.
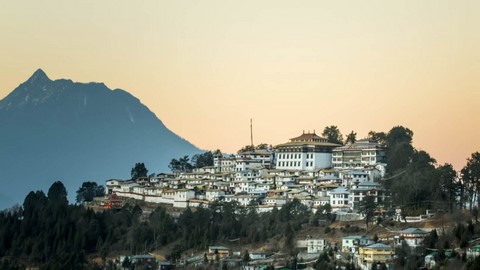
pixel 413 237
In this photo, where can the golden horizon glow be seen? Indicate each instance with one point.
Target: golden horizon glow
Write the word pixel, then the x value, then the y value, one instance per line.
pixel 206 67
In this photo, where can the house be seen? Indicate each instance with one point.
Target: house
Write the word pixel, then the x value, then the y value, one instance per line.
pixel 361 190
pixel 214 194
pixel 352 243
pixel 351 177
pixel 316 245
pixel 223 164
pixel 221 251
pixel 275 201
pixel 376 253
pixel 306 152
pixel 339 198
pixel 413 237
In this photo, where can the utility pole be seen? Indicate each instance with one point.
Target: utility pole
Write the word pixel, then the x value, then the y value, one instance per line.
pixel 251 133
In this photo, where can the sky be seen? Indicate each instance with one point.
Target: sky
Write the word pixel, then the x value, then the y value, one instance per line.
pixel 205 68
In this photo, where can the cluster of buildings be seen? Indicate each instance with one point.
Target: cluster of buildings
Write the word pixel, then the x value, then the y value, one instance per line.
pixel 308 168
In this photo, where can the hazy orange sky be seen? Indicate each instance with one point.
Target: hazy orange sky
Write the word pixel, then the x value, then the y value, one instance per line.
pixel 206 67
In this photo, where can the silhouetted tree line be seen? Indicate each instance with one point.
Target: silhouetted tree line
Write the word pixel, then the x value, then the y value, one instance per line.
pixel 48 232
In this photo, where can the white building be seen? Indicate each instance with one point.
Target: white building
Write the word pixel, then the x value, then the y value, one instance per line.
pixel 224 163
pixel 256 158
pixel 305 152
pixel 359 154
pixel 352 243
pixel 339 198
pixel 315 245
pixel 364 189
pixel 413 237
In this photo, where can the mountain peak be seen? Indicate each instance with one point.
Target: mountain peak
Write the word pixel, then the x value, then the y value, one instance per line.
pixel 38 76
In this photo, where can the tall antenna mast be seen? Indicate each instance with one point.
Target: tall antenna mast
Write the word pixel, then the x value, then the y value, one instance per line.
pixel 251 132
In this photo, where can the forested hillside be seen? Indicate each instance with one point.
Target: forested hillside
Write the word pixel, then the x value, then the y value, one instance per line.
pixel 50 233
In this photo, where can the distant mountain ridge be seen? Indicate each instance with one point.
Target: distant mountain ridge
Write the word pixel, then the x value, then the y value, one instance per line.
pixel 63 130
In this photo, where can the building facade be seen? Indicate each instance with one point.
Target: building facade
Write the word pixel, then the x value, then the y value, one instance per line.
pixel 360 154
pixel 305 152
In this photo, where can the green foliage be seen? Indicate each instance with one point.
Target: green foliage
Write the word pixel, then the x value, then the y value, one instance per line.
pixel 323 262
pixel 333 134
pixel 57 194
pixel 351 138
pixel 248 148
pixel 181 165
pixel 367 208
pixel 449 186
pixel 88 191
pixel 139 170
pixel 203 160
pixel 471 176
pixel 379 137
pixel 400 149
pixel 246 256
pixel 51 234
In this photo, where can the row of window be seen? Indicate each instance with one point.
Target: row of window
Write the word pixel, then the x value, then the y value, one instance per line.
pixel 294 164
pixel 294 156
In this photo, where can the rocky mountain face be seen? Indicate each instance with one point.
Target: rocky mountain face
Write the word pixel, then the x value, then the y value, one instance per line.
pixel 74 132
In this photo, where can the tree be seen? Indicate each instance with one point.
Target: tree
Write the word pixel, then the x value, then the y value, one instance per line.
pixel 400 149
pixel 246 148
pixel 88 191
pixel 262 146
pixel 203 160
pixel 332 134
pixel 139 170
pixel 416 187
pixel 126 263
pixel 449 186
pixel 367 208
pixel 246 256
pixel 57 194
pixel 181 165
pixel 471 176
pixel 379 137
pixel 174 165
pixel 289 235
pixel 351 138
pixel 185 164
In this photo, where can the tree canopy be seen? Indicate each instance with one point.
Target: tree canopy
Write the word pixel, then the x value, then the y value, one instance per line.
pixel 351 138
pixel 139 170
pixel 88 191
pixel 203 160
pixel 471 177
pixel 333 134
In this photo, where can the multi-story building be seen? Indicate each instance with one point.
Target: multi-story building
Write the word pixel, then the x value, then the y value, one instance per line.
pixel 364 189
pixel 316 245
pixel 255 158
pixel 374 254
pixel 352 243
pixel 305 152
pixel 359 154
pixel 339 198
pixel 223 163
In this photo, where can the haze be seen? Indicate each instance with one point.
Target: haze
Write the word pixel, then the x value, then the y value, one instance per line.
pixel 206 67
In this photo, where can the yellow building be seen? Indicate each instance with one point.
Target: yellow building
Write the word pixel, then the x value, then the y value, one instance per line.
pixel 221 251
pixel 376 253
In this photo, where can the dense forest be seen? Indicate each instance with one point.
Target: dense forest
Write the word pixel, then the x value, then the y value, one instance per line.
pixel 48 232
